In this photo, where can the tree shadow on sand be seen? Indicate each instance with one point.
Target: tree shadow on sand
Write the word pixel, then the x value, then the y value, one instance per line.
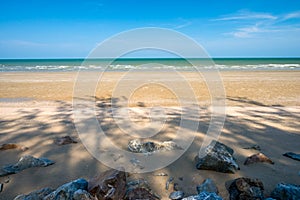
pixel 274 128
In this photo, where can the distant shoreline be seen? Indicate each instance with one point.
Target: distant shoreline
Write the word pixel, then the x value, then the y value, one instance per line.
pixel 125 64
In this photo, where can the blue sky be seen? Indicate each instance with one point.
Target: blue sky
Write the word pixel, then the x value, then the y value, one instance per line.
pixel 227 28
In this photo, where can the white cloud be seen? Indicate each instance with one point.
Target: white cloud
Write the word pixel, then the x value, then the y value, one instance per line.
pixel 292 15
pixel 246 32
pixel 259 23
pixel 22 43
pixel 241 34
pixel 183 23
pixel 29 44
pixel 246 15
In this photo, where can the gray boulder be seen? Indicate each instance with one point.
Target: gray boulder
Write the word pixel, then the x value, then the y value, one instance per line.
pixel 286 192
pixel 24 163
pixel 218 158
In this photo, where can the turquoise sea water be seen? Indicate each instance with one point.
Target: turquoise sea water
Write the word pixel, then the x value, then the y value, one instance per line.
pixel 222 64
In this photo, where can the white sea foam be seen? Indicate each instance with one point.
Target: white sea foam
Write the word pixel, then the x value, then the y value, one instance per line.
pixel 117 67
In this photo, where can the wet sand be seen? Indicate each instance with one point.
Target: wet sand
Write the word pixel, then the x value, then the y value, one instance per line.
pixel 262 108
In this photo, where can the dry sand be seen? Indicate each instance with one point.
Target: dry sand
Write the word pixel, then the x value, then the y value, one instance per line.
pixel 264 88
pixel 262 108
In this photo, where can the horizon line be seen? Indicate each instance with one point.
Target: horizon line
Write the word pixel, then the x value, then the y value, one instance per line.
pixel 217 57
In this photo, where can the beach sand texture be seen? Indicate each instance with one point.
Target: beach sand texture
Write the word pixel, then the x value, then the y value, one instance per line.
pixel 262 108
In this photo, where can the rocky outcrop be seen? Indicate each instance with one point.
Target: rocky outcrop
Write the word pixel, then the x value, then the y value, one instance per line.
pixel 218 157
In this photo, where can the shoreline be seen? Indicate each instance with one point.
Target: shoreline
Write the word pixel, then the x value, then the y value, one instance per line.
pixel 142 71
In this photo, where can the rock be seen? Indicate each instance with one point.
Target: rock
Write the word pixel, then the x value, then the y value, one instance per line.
pixel 24 163
pixel 286 192
pixel 139 193
pixel 139 183
pixel 168 182
pixel 82 195
pixel 67 190
pixel 255 147
pixel 36 195
pixel 246 189
pixel 7 180
pixel 259 157
pixel 207 186
pixel 204 196
pixel 218 158
pixel 1 187
pixel 140 189
pixel 75 190
pixel 292 155
pixel 137 146
pixel 108 185
pixel 176 187
pixel 64 140
pixel 176 195
pixel 161 174
pixel 12 146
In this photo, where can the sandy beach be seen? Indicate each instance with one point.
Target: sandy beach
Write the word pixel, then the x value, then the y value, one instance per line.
pixel 262 108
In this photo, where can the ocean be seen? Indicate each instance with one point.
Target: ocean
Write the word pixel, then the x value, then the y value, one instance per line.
pixel 124 64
